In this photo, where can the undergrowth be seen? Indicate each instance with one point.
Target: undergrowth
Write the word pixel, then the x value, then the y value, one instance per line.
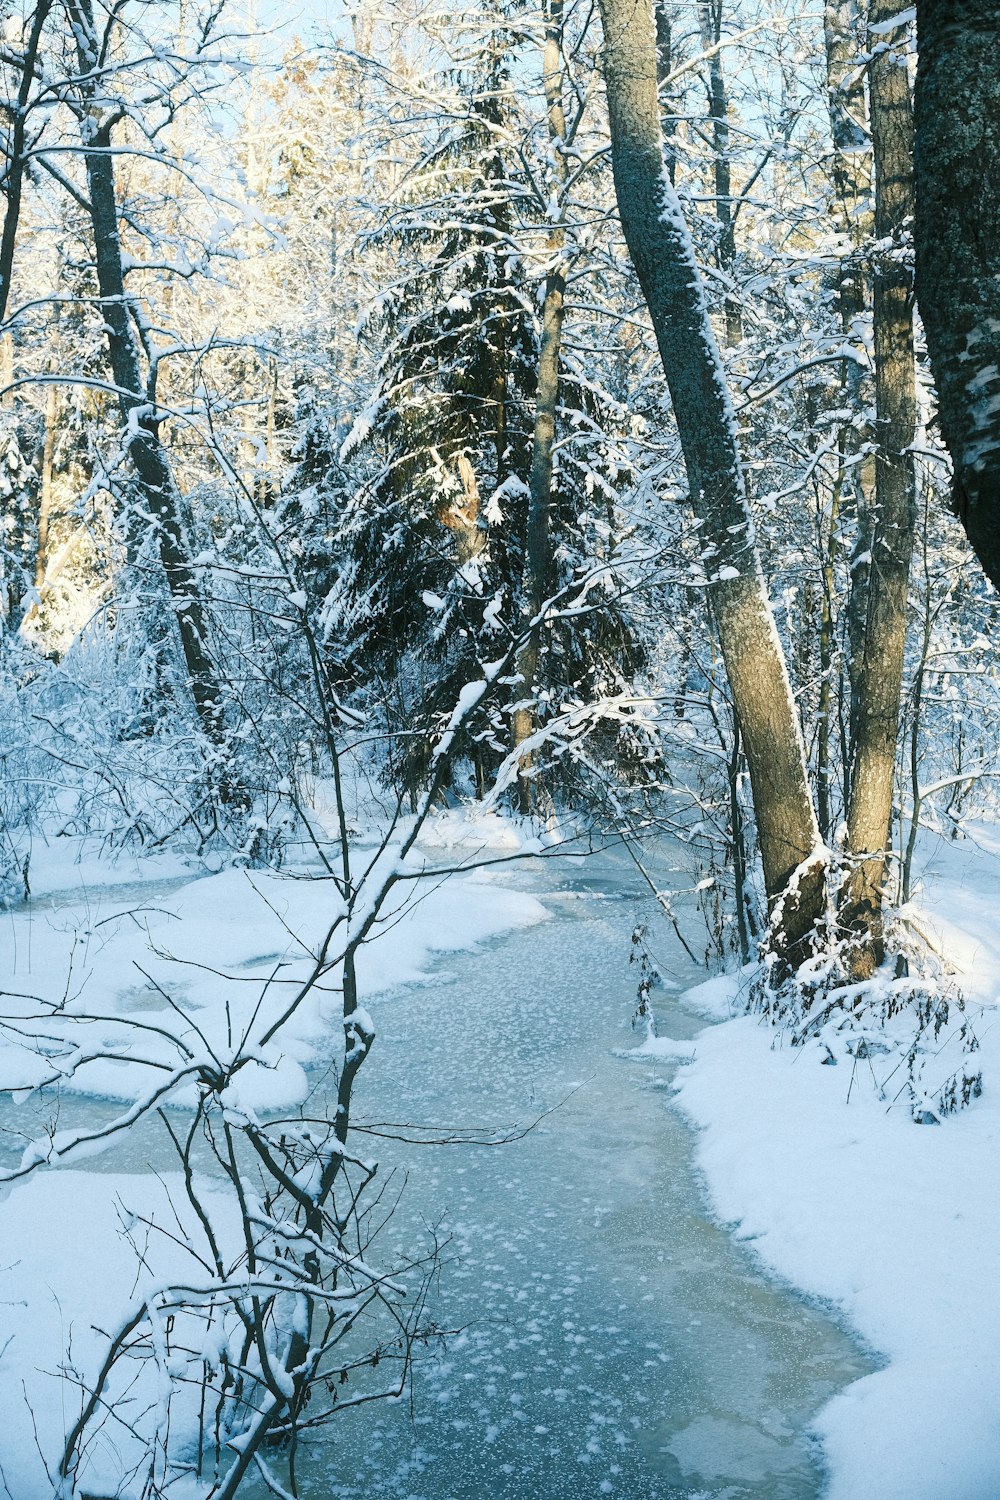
pixel 906 1032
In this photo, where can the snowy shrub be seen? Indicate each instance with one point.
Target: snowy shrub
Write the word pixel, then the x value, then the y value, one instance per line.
pixel 906 1032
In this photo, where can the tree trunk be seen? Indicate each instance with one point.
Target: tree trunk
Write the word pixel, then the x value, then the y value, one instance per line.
pixel 851 171
pixel 664 66
pixel 957 158
pixel 538 547
pixel 663 256
pixel 462 516
pixel 845 88
pixel 851 162
pixel 12 182
pixel 880 677
pixel 718 109
pixel 158 494
pixel 824 711
pixel 45 490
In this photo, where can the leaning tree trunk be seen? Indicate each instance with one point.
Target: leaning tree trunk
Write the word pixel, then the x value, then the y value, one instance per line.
pixel 538 542
pixel 157 490
pixel 880 676
pixel 957 233
pixel 663 257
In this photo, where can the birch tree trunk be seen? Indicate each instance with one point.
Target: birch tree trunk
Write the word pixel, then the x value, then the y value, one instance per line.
pixel 880 677
pixel 538 542
pixel 663 257
pixel 957 152
pixel 158 493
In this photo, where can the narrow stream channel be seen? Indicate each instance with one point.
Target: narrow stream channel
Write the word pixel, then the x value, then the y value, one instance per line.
pixel 615 1340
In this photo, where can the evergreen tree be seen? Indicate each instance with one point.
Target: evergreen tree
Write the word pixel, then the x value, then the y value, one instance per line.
pixel 428 562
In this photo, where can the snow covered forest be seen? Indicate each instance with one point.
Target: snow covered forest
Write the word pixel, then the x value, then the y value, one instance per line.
pixel 500 842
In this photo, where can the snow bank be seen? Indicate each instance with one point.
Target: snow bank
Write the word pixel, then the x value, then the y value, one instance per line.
pixel 70 1245
pixel 896 1224
pixel 116 941
pixel 198 953
pixel 73 868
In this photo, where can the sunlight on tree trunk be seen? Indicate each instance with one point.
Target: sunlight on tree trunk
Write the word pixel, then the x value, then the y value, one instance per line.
pixel 157 489
pixel 880 678
pixel 663 257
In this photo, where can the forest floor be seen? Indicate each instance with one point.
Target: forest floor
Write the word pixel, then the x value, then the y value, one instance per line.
pixel 895 1226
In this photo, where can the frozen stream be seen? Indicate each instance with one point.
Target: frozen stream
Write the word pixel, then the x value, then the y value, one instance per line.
pixel 616 1341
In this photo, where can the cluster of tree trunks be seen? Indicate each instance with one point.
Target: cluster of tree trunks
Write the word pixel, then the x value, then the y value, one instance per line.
pixel 934 169
pixel 661 251
pixel 154 511
pixel 788 831
pixel 956 213
pixel 157 500
pixel 879 667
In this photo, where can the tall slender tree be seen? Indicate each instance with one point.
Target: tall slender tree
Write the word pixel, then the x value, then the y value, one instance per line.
pixel 16 146
pixel 539 573
pixel 880 671
pixel 661 250
pixel 158 498
pixel 711 15
pixel 853 490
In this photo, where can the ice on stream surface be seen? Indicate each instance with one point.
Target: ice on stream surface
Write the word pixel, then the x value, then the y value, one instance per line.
pixel 614 1340
pixel 610 1338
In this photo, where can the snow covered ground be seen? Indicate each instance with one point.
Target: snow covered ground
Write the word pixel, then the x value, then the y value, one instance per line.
pixel 158 942
pixel 897 1225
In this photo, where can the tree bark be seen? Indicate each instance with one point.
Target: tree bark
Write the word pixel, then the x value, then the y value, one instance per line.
pixel 12 183
pixel 957 159
pixel 664 66
pixel 851 158
pixel 880 678
pixel 538 541
pixel 851 167
pixel 663 257
pixel 824 708
pixel 718 109
pixel 157 489
pixel 462 516
pixel 43 549
pixel 852 187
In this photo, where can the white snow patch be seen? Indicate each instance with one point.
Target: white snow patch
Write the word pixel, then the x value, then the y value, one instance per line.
pixel 897 1224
